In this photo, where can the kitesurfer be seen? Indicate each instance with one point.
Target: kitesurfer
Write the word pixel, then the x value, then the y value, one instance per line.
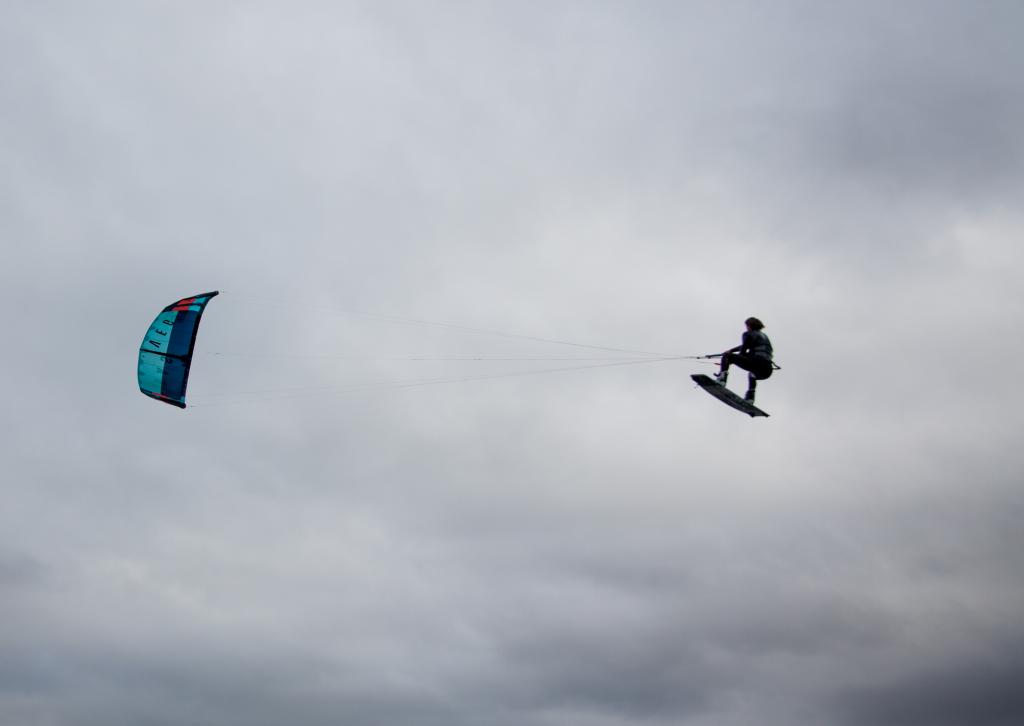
pixel 753 354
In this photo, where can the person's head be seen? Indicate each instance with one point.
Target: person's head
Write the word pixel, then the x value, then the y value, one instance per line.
pixel 754 324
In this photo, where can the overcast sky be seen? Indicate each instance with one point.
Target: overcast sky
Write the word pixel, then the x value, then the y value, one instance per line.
pixel 594 547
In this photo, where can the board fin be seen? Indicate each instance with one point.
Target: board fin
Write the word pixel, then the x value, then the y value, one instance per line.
pixel 726 396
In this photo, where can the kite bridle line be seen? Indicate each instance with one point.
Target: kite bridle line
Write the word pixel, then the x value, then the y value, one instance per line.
pixel 399 320
pixel 255 396
pixel 242 397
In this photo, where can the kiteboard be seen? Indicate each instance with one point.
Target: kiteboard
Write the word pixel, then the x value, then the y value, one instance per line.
pixel 726 396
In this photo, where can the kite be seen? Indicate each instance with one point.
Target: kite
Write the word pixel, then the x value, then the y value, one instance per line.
pixel 165 355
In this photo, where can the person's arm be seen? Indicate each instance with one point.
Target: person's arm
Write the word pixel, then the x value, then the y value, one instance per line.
pixel 747 346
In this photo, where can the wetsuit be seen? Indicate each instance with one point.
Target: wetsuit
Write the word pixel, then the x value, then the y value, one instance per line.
pixel 754 356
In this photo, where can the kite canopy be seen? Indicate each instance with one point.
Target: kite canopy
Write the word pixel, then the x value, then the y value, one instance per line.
pixel 165 355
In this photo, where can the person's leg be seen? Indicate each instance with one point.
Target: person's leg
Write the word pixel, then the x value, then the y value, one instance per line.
pixel 758 372
pixel 739 360
pixel 754 366
pixel 723 368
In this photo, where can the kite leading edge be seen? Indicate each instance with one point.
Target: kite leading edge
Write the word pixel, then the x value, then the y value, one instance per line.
pixel 165 355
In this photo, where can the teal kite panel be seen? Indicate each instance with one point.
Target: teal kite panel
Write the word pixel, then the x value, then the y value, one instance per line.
pixel 165 355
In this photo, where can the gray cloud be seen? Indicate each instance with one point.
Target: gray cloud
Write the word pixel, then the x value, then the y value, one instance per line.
pixel 977 688
pixel 602 546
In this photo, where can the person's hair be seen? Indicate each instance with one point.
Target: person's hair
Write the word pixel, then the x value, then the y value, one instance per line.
pixel 755 323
